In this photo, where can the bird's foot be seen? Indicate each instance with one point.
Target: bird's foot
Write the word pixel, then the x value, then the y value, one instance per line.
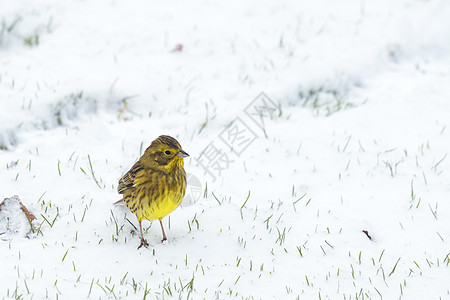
pixel 143 243
pixel 163 240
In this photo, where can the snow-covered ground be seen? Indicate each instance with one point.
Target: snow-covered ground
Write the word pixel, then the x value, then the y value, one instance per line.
pixel 336 112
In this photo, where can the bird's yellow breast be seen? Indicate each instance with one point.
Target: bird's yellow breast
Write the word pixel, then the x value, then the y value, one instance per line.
pixel 158 197
pixel 162 206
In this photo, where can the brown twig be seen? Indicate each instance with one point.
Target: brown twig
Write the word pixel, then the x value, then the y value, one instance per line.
pixel 367 233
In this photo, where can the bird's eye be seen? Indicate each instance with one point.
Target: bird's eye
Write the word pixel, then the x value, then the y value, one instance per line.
pixel 167 152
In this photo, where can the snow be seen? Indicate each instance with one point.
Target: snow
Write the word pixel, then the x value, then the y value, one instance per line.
pixel 13 221
pixel 355 138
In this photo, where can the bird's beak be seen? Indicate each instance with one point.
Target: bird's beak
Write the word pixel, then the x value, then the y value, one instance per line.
pixel 182 154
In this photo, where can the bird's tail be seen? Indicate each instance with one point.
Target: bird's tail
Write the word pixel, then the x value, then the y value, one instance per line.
pixel 118 202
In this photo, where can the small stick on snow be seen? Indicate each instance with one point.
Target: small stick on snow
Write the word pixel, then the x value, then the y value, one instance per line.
pixel 367 233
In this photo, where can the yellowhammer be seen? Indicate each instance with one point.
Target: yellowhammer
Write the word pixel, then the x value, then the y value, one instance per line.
pixel 156 184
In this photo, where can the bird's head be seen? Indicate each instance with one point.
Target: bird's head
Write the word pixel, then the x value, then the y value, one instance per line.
pixel 164 154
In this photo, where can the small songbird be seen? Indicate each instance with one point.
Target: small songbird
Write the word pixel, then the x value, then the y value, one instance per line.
pixel 156 184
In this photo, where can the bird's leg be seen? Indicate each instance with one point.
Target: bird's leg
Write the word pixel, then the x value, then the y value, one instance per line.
pixel 143 242
pixel 164 234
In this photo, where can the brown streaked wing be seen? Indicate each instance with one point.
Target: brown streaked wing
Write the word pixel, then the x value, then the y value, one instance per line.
pixel 128 180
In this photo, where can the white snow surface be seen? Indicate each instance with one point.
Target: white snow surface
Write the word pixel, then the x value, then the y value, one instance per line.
pixel 13 221
pixel 358 140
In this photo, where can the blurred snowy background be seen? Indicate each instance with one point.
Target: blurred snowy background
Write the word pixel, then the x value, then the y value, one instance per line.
pixel 307 122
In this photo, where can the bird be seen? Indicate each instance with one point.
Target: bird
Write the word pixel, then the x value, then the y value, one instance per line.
pixel 156 184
